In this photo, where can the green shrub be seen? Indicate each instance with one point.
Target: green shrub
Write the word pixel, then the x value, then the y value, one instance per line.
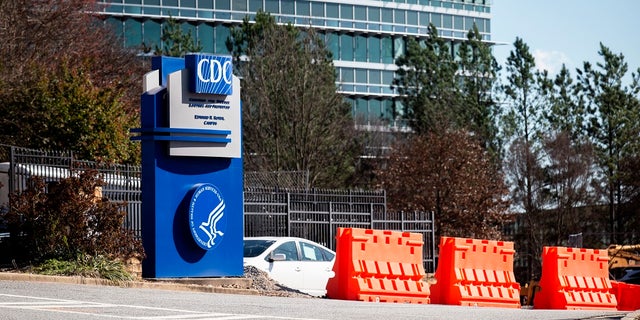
pixel 86 266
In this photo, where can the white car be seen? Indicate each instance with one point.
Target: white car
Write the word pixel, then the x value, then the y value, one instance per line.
pixel 296 263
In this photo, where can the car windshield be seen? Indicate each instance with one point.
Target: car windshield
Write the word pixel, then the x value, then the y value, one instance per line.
pixel 255 247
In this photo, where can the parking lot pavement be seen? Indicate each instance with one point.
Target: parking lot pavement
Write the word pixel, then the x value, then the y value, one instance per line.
pixel 212 285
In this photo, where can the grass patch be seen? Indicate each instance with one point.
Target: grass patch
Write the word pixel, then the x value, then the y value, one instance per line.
pixel 86 266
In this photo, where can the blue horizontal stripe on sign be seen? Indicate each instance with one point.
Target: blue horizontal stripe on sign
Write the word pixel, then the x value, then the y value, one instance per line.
pixel 183 138
pixel 181 130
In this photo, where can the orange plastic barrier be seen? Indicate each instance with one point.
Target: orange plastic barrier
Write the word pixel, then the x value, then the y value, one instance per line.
pixel 574 278
pixel 628 295
pixel 474 272
pixel 378 265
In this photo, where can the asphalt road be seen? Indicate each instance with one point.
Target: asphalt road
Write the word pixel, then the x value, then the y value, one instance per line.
pixel 53 301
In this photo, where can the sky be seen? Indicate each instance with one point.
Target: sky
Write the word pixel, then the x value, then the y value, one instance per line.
pixel 567 31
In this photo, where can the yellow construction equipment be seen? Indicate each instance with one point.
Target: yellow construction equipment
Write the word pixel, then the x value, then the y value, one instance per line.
pixel 621 256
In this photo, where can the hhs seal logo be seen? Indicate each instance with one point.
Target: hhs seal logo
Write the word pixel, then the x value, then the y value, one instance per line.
pixel 206 216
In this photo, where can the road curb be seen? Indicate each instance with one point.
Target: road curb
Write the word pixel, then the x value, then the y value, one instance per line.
pixel 632 316
pixel 209 285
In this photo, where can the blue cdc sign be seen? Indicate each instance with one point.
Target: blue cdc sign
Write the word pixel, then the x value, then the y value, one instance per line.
pixel 213 74
pixel 192 189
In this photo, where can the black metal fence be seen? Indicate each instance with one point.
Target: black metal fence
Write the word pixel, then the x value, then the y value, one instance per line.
pixel 122 182
pixel 313 214
pixel 317 214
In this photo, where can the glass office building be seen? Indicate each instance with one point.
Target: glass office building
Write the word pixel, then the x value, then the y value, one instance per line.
pixel 364 36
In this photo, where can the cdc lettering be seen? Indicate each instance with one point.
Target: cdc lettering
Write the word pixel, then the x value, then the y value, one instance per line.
pixel 217 71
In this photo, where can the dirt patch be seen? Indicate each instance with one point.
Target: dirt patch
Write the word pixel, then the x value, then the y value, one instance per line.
pixel 261 281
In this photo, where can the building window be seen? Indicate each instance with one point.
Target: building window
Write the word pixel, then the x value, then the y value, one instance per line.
pixel 204 4
pixel 240 5
pixel 360 13
pixel 302 8
pixel 223 5
pixel 134 6
pixel 361 48
pixel 361 110
pixel 387 81
pixel 458 22
pixel 374 50
pixel 149 10
pixel 255 5
pixel 387 15
pixel 170 3
pixel 288 7
pixel 346 47
pixel 386 47
pixel 424 19
pixel 412 18
pixel 272 6
pixel 374 14
pixel 191 29
pixel 375 111
pixel 480 23
pixel 347 75
pixel 333 44
pixel 436 19
pixel 398 47
pixel 468 23
pixel 152 33
pixel 132 33
pixel 221 34
pixel 399 17
pixel 387 19
pixel 447 21
pixel 361 75
pixel 205 36
pixel 374 77
pixel 332 10
pixel 387 110
pixel 317 9
pixel 387 77
pixel 346 12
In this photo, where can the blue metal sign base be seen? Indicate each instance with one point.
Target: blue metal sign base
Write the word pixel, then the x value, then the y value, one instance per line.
pixel 188 230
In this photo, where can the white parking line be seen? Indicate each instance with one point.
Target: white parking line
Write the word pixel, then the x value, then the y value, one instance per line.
pixel 67 306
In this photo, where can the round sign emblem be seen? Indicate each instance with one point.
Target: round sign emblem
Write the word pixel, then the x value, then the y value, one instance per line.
pixel 207 216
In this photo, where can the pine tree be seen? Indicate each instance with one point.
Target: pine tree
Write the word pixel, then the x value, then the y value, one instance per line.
pixel 175 41
pixel 613 125
pixel 293 118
